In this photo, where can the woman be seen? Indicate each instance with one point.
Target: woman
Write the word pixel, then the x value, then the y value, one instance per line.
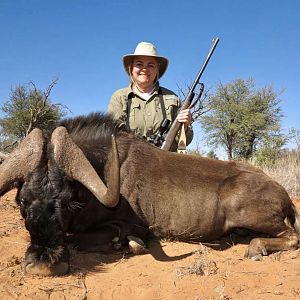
pixel 144 104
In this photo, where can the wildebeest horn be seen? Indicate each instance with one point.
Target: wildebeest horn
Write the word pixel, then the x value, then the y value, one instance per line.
pixel 74 163
pixel 22 160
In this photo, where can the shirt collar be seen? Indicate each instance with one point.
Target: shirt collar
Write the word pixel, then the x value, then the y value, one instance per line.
pixel 131 91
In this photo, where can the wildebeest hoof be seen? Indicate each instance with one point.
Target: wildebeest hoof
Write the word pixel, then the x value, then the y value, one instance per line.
pixel 136 245
pixel 256 250
pixel 257 257
pixel 116 243
pixel 264 251
pixel 44 270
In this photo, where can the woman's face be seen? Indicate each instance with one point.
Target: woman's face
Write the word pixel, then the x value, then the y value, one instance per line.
pixel 144 72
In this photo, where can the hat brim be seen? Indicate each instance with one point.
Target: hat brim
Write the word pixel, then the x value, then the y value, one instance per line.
pixel 162 61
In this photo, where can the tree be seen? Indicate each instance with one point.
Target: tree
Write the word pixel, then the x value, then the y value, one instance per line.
pixel 26 109
pixel 212 154
pixel 269 151
pixel 295 136
pixel 196 150
pixel 242 118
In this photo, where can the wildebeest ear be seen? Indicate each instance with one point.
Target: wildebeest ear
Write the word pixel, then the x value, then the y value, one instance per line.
pixel 73 162
pixel 22 160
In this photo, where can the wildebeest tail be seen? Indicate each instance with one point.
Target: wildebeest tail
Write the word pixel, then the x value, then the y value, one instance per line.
pixel 294 219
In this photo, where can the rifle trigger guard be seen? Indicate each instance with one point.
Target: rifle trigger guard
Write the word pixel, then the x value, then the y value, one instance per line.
pixel 199 95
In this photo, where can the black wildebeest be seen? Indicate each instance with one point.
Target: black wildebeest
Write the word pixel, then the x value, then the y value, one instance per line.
pixel 91 172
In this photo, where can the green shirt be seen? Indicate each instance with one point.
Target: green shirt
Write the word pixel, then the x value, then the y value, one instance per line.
pixel 145 116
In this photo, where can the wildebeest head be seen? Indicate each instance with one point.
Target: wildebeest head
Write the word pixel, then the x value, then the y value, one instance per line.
pixel 44 173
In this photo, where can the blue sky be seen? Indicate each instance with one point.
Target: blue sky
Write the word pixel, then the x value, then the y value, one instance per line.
pixel 82 43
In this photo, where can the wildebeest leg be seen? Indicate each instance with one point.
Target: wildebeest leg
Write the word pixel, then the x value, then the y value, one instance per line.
pixel 287 240
pixel 97 240
pixel 131 235
pixel 136 245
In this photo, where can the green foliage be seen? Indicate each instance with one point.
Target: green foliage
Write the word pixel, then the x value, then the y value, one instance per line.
pixel 7 144
pixel 269 152
pixel 294 135
pixel 212 154
pixel 195 152
pixel 242 118
pixel 26 109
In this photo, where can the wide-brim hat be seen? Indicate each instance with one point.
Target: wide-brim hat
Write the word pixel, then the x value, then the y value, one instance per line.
pixel 146 49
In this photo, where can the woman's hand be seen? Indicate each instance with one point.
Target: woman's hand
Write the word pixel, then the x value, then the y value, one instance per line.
pixel 185 117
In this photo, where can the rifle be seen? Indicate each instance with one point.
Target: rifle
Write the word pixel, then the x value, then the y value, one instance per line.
pixel 188 101
pixel 158 138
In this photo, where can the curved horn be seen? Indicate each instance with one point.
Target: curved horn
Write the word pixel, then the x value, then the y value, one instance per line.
pixel 22 160
pixel 113 178
pixel 73 161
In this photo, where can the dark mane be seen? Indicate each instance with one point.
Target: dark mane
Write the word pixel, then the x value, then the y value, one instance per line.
pixel 94 126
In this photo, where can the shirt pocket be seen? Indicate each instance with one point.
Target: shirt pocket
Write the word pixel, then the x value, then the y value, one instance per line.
pixel 171 105
pixel 135 115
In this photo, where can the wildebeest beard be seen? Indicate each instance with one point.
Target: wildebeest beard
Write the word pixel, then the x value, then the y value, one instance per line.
pixel 44 201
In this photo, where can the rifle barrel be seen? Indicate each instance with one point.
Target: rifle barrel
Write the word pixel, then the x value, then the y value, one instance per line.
pixel 215 42
pixel 188 100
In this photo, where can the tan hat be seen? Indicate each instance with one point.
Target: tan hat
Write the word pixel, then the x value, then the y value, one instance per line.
pixel 146 49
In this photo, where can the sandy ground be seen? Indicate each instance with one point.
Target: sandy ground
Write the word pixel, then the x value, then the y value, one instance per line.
pixel 185 271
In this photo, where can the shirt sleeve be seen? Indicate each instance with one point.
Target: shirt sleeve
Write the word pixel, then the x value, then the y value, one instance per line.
pixel 116 107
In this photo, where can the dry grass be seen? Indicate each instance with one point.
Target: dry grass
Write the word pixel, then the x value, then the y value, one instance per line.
pixel 202 265
pixel 286 171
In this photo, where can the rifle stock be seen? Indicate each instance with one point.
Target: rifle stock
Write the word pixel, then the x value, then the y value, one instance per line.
pixel 170 137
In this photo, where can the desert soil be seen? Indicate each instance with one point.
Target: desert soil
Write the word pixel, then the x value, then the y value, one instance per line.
pixel 180 271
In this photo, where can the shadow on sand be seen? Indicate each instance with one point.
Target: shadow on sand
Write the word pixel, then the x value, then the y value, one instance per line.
pixel 93 251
